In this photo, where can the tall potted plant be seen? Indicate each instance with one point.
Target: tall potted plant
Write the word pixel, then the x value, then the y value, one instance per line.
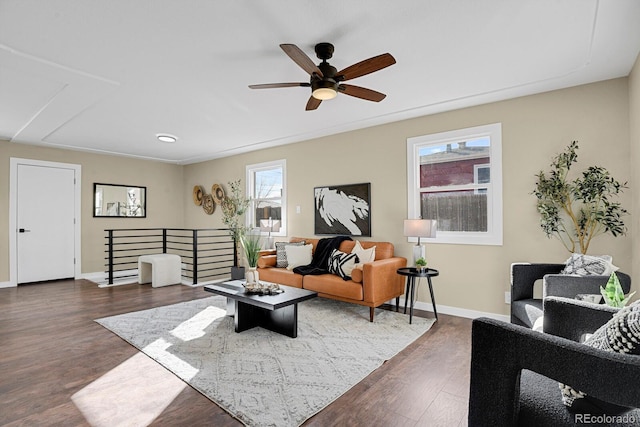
pixel 234 206
pixel 251 245
pixel 575 210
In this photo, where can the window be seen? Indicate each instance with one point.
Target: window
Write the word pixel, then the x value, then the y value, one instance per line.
pixel 456 178
pixel 266 189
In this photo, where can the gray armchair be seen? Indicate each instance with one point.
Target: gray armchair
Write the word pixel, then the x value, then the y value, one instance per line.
pixel 525 309
pixel 515 371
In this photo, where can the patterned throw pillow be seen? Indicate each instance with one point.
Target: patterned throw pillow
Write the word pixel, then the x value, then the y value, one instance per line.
pixel 621 334
pixel 342 264
pixel 281 254
pixel 589 265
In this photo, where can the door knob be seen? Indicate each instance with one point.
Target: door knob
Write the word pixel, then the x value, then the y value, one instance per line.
pixel 22 230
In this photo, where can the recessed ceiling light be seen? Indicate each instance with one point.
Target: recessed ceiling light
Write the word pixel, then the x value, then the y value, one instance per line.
pixel 164 137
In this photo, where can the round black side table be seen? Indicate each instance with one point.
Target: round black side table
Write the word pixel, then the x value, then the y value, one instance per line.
pixel 412 273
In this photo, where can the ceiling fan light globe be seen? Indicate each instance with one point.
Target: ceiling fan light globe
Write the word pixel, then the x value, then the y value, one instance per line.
pixel 324 93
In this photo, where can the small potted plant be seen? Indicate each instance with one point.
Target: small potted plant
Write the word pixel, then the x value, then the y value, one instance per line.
pixel 421 264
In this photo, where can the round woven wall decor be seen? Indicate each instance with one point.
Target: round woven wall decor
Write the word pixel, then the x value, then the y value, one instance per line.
pixel 198 194
pixel 218 193
pixel 208 204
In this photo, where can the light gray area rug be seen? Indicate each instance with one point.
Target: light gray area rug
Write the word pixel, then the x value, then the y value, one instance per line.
pixel 260 377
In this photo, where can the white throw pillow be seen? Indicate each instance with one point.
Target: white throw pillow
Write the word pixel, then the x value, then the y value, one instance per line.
pixel 364 255
pixel 298 255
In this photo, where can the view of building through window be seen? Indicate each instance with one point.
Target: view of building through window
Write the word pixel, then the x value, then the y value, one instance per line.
pixel 453 178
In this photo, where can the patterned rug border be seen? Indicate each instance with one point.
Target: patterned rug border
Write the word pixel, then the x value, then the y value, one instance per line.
pixel 223 328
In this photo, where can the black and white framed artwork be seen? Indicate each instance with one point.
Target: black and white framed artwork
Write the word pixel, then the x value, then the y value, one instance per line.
pixel 343 210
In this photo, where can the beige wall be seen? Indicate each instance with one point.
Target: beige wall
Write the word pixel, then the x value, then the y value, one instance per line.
pixel 535 128
pixel 634 135
pixel 164 196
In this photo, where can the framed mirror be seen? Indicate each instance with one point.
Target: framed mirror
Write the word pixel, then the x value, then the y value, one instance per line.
pixel 119 201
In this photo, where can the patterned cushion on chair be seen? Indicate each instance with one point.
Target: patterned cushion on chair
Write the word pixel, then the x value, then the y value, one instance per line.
pixel 588 265
pixel 621 334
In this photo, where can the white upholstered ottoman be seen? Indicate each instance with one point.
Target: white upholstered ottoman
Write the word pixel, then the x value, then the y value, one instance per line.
pixel 159 269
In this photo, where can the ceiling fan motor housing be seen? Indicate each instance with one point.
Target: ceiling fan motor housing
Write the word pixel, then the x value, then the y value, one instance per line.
pixel 324 51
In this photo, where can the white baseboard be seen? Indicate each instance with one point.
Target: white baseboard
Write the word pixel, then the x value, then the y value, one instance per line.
pixel 7 285
pixel 454 311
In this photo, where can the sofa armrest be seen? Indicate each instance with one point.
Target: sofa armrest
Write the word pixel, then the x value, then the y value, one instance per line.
pixel 380 279
pixel 267 259
pixel 500 351
pixel 524 276
pixel 571 319
pixel 568 286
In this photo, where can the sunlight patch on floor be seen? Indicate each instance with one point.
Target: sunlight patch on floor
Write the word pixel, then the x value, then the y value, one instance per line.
pixel 134 393
pixel 194 327
pixel 138 390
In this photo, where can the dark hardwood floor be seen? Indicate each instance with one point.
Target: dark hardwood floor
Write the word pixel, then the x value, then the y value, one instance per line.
pixel 50 349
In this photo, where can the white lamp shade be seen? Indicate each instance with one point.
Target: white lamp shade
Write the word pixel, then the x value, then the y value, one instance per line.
pixel 269 225
pixel 420 227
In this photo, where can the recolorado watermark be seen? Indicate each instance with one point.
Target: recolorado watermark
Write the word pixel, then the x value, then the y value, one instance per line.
pixel 606 419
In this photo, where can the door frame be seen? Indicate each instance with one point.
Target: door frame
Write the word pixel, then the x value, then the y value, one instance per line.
pixel 13 213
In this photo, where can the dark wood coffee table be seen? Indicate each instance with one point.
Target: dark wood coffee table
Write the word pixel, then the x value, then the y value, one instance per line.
pixel 278 313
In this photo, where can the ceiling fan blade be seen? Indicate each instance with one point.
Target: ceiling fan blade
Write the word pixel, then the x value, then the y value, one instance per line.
pixel 301 58
pixel 313 103
pixel 366 67
pixel 362 93
pixel 276 85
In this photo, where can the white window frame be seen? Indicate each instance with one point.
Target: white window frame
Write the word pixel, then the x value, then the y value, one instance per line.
pixel 494 233
pixel 250 174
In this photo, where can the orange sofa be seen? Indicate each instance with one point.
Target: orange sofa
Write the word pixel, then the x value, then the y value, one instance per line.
pixel 372 284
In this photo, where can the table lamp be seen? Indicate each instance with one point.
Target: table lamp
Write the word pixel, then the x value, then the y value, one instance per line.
pixel 269 226
pixel 420 228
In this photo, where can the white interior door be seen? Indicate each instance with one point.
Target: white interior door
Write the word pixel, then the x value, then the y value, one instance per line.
pixel 45 223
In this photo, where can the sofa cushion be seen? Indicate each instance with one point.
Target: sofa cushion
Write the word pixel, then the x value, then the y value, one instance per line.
pixel 527 310
pixel 281 276
pixel 621 334
pixel 384 250
pixel 297 255
pixel 281 254
pixel 331 284
pixel 540 406
pixel 342 264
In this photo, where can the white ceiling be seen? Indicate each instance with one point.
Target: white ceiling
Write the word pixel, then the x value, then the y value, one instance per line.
pixel 108 75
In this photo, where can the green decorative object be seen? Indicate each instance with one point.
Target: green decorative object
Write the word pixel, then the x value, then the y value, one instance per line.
pixel 613 294
pixel 577 210
pixel 421 262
